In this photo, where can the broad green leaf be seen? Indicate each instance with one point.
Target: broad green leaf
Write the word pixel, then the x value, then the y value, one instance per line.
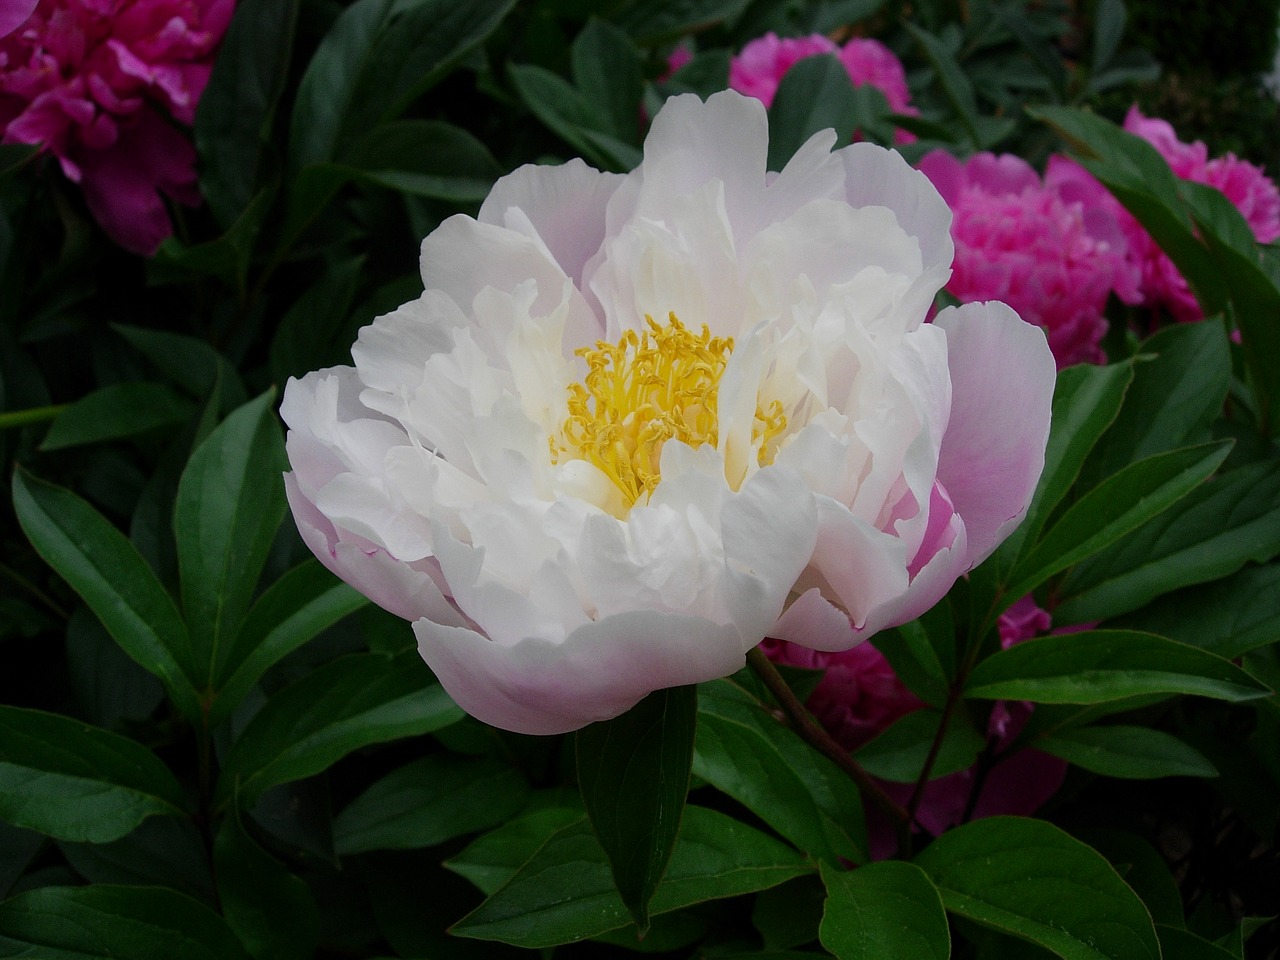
pixel 230 502
pixel 655 21
pixel 110 688
pixel 105 569
pixel 566 893
pixel 189 363
pixel 115 412
pixel 814 94
pixel 745 752
pixel 1232 518
pixel 1103 665
pixel 633 772
pixel 493 859
pixel 237 108
pixel 1030 879
pixel 349 703
pixel 606 67
pixel 570 115
pixel 269 908
pixel 898 753
pixel 1128 752
pixel 1117 506
pixel 307 337
pixel 1179 944
pixel 429 801
pixel 1180 381
pixel 161 851
pixel 226 257
pixel 884 911
pixel 379 56
pixel 1229 617
pixel 113 923
pixel 293 610
pixel 18 848
pixel 68 780
pixel 915 659
pixel 1109 17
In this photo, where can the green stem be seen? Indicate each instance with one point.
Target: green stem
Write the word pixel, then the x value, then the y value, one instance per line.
pixel 810 731
pixel 23 418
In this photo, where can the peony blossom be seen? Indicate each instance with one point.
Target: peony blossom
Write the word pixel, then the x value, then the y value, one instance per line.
pixel 1055 260
pixel 98 83
pixel 759 68
pixel 1161 285
pixel 635 424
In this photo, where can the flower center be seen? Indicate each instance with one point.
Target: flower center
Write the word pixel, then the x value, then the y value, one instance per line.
pixel 644 390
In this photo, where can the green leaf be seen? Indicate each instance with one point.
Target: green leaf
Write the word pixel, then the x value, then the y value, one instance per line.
pixel 1232 518
pixel 1109 18
pixel 293 610
pixel 1118 505
pixel 269 908
pixel 1032 880
pixel 115 922
pixel 566 893
pixel 230 502
pixel 570 115
pixel 956 86
pixel 1229 617
pixel 378 58
pixel 429 801
pixel 115 412
pixel 237 109
pixel 72 781
pixel 606 67
pixel 814 94
pixel 493 859
pixel 1103 665
pixel 633 772
pixel 349 703
pixel 1179 944
pixel 161 851
pixel 883 911
pixel 424 158
pixel 743 751
pixel 105 569
pixel 1128 752
pixel 656 21
pixel 190 363
pixel 311 334
pixel 898 753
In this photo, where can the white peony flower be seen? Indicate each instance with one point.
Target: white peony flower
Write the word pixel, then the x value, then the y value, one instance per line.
pixel 635 424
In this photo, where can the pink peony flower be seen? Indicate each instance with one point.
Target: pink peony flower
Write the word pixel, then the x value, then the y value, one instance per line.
pixel 759 68
pixel 1161 285
pixel 859 696
pixel 93 80
pixel 1048 254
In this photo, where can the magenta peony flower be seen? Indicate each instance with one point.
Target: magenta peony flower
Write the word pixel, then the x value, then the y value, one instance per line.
pixel 95 82
pixel 763 62
pixel 1245 185
pixel 1048 254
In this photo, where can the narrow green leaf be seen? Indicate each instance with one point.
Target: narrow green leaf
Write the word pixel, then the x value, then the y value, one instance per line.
pixel 1179 944
pixel 883 911
pixel 230 502
pixel 1128 752
pixel 68 780
pixel 115 412
pixel 236 110
pixel 270 909
pixel 744 751
pixel 656 21
pixel 898 753
pixel 161 852
pixel 956 86
pixel 424 158
pixel 606 67
pixel 1117 506
pixel 293 610
pixel 814 94
pixel 1103 665
pixel 1109 17
pixel 1030 879
pixel 190 363
pixel 429 801
pixel 105 569
pixel 566 893
pixel 633 772
pixel 570 115
pixel 113 923
pixel 915 660
pixel 1232 518
pixel 349 703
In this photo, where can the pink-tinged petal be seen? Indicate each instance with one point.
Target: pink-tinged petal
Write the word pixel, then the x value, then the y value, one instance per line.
pixel 565 206
pixel 814 622
pixel 14 13
pixel 597 672
pixel 1002 379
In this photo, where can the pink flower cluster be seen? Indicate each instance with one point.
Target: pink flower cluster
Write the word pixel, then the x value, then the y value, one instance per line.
pixel 1245 185
pixel 859 696
pixel 97 83
pixel 759 68
pixel 1048 254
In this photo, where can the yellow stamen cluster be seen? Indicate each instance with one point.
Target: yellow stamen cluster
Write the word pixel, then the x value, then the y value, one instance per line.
pixel 644 390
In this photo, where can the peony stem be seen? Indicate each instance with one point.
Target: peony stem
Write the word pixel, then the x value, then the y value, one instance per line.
pixel 809 730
